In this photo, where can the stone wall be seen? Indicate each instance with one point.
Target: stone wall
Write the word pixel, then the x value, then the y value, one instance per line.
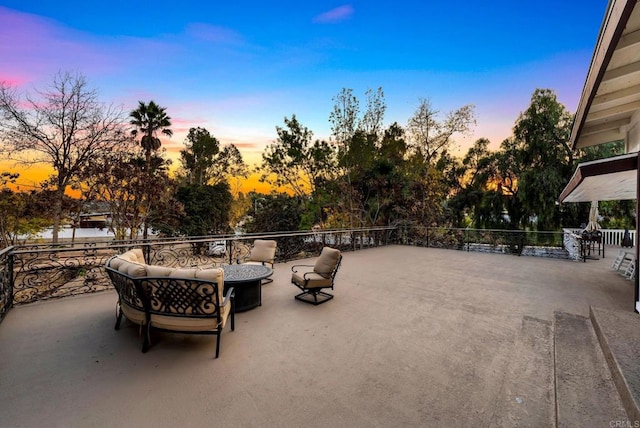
pixel 527 250
pixel 571 245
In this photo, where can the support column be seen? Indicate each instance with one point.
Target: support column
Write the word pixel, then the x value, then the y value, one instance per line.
pixel 636 277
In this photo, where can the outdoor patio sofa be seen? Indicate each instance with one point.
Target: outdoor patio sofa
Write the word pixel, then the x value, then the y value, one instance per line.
pixel 170 299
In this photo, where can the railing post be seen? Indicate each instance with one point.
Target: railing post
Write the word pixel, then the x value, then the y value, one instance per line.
pixel 11 278
pixel 147 251
pixel 6 281
pixel 467 241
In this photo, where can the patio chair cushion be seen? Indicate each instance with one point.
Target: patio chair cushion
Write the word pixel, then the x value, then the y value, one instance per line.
pixel 313 280
pixel 326 263
pixel 186 324
pixel 263 251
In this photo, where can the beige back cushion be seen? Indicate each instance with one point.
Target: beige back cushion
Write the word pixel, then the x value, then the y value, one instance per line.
pixel 130 262
pixel 137 269
pixel 183 273
pixel 155 270
pixel 327 261
pixel 263 250
pixel 134 255
pixel 130 268
pixel 215 275
pixel 116 262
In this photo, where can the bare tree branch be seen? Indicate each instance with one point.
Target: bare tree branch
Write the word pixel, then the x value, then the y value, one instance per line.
pixel 65 126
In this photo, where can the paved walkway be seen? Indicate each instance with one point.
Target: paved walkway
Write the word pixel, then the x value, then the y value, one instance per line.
pixel 414 337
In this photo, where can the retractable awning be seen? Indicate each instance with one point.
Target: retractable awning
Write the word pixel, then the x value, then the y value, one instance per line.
pixel 607 179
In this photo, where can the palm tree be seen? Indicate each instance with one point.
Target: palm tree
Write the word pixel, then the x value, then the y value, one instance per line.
pixel 148 120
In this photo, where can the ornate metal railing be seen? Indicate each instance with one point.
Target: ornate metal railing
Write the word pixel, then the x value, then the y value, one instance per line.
pixel 43 272
pixel 36 272
pixel 6 281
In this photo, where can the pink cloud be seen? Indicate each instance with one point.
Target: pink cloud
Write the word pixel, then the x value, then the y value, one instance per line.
pixel 13 80
pixel 182 126
pixel 247 145
pixel 339 14
pixel 40 47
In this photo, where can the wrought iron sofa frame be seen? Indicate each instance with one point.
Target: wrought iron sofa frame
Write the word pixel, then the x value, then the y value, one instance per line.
pixel 152 298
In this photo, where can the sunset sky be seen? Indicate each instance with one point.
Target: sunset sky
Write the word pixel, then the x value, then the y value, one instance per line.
pixel 238 68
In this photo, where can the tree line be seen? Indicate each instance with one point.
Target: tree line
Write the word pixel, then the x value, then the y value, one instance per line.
pixel 367 174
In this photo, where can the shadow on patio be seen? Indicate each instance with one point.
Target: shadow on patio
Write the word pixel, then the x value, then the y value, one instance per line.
pixel 414 337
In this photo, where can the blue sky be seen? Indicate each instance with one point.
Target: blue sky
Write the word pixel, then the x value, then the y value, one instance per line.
pixel 238 68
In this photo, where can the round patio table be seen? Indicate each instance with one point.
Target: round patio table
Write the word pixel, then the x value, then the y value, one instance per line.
pixel 246 279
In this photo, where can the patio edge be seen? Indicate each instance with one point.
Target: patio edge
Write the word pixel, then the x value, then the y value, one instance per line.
pixel 619 337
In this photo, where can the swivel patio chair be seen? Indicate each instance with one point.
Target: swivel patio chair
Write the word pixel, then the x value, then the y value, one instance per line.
pixel 321 276
pixel 263 253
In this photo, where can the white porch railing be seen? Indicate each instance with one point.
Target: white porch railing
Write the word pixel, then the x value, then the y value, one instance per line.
pixel 611 237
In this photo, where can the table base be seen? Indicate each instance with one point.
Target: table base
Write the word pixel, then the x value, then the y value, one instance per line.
pixel 248 294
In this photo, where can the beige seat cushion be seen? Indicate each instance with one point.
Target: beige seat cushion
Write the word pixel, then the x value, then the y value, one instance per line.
pixel 134 315
pixel 184 323
pixel 314 280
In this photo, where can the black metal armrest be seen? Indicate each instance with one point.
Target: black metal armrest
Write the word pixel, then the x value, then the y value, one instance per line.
pixel 296 266
pixel 325 276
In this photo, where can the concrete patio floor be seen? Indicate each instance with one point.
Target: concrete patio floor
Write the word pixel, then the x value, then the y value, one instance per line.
pixel 414 337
